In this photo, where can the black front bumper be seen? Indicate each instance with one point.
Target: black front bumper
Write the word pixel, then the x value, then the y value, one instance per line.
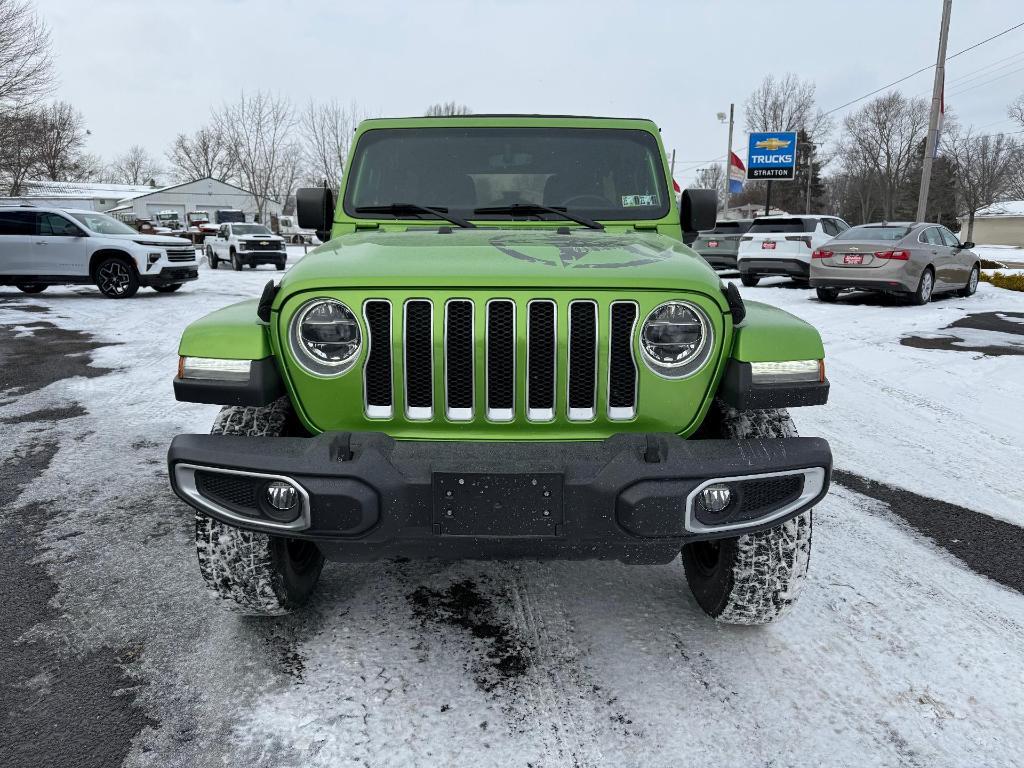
pixel 718 259
pixel 632 497
pixel 775 267
pixel 170 276
pixel 262 257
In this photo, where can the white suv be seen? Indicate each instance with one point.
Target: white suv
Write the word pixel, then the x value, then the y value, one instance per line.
pixel 41 246
pixel 782 245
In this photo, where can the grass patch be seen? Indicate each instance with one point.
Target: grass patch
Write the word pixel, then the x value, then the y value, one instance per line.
pixel 986 264
pixel 1009 282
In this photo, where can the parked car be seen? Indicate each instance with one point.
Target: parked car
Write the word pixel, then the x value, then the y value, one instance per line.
pixel 288 228
pixel 782 245
pixel 472 366
pixel 245 245
pixel 229 216
pixel 719 246
pixel 42 246
pixel 909 259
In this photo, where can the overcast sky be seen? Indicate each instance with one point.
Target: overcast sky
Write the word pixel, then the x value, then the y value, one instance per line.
pixel 142 71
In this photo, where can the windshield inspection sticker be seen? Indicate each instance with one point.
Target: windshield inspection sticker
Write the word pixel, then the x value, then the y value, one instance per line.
pixel 638 201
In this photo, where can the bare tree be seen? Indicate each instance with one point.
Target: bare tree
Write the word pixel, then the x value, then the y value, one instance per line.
pixel 20 130
pixel 884 136
pixel 61 141
pixel 711 177
pixel 136 166
pixel 26 67
pixel 258 131
pixel 984 166
pixel 787 104
pixel 326 131
pixel 290 171
pixel 1016 110
pixel 204 154
pixel 447 109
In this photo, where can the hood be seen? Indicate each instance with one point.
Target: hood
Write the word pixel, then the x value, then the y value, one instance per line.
pixel 506 258
pixel 181 242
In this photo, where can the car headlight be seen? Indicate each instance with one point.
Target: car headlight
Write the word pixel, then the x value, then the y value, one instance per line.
pixel 675 339
pixel 241 245
pixel 325 337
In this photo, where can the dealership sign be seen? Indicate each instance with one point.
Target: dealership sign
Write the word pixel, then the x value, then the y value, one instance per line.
pixel 772 156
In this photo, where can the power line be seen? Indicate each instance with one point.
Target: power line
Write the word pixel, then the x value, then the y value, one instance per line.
pixel 987 69
pixel 960 91
pixel 925 69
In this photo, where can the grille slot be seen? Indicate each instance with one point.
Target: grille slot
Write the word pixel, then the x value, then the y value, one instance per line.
pixel 458 362
pixel 622 373
pixel 501 360
pixel 419 360
pixel 582 395
pixel 377 388
pixel 540 361
pixel 235 492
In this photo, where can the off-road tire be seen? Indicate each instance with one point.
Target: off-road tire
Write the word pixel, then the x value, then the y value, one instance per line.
pixel 925 288
pixel 167 288
pixel 236 262
pixel 255 573
pixel 116 278
pixel 750 280
pixel 30 287
pixel 972 283
pixel 827 295
pixel 211 257
pixel 755 578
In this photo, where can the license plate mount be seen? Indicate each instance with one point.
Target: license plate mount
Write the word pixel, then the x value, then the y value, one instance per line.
pixel 768 245
pixel 853 258
pixel 486 504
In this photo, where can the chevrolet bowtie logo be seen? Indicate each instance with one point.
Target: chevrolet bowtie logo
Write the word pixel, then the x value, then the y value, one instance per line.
pixel 772 144
pixel 264 242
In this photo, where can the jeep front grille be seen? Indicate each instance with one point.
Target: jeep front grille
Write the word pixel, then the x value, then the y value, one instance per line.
pixel 481 341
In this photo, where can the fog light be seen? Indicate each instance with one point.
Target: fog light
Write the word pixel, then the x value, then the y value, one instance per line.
pixel 281 496
pixel 715 498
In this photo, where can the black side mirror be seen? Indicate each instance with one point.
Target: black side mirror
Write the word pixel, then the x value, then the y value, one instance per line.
pixel 698 209
pixel 315 209
pixel 968 245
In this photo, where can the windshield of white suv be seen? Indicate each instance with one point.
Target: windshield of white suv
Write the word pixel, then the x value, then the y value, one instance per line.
pixel 102 224
pixel 597 173
pixel 250 229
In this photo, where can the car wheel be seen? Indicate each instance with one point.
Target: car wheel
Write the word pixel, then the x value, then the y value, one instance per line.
pixel 280 266
pixel 827 294
pixel 211 258
pixel 251 572
pixel 750 280
pixel 755 578
pixel 972 283
pixel 923 294
pixel 116 278
pixel 236 263
pixel 30 287
pixel 167 288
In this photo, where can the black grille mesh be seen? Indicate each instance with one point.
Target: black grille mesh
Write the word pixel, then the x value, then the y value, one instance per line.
pixel 769 493
pixel 582 354
pixel 541 355
pixel 501 340
pixel 234 491
pixel 459 354
pixel 419 382
pixel 378 362
pixel 621 367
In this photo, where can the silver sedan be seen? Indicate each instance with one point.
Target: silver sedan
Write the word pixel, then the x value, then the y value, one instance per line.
pixel 910 259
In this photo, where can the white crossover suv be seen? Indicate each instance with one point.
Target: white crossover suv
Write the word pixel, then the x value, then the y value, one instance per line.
pixel 43 246
pixel 782 245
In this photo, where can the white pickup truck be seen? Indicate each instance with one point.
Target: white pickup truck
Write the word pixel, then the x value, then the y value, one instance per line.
pixel 245 244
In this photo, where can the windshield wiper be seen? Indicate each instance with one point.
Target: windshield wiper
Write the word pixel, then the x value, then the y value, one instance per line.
pixel 534 209
pixel 399 208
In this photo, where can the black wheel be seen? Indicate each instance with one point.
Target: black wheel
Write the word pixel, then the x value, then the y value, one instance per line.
pixel 211 258
pixel 167 288
pixel 280 266
pixel 116 278
pixel 750 280
pixel 925 287
pixel 30 287
pixel 827 294
pixel 972 283
pixel 236 263
pixel 755 578
pixel 256 573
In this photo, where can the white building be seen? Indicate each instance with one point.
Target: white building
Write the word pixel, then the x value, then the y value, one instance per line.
pixel 998 224
pixel 207 195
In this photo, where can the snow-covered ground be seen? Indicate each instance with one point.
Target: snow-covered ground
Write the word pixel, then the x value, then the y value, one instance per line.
pixel 896 655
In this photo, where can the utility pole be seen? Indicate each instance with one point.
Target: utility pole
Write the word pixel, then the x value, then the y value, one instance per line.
pixel 768 198
pixel 728 161
pixel 810 175
pixel 933 120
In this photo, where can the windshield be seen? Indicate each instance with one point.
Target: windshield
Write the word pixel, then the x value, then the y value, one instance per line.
pixel 782 225
pixel 609 174
pixel 874 233
pixel 102 224
pixel 250 229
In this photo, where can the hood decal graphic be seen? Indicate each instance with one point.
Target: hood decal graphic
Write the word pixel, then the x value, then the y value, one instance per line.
pixel 576 252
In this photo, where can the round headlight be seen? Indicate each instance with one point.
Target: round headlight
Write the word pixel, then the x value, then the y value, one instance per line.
pixel 325 337
pixel 675 339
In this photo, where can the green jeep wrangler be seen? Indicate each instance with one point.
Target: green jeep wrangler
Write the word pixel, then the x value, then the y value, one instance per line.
pixel 503 349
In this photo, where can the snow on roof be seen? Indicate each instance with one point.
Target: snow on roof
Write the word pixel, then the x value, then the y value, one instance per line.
pixel 83 190
pixel 1005 208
